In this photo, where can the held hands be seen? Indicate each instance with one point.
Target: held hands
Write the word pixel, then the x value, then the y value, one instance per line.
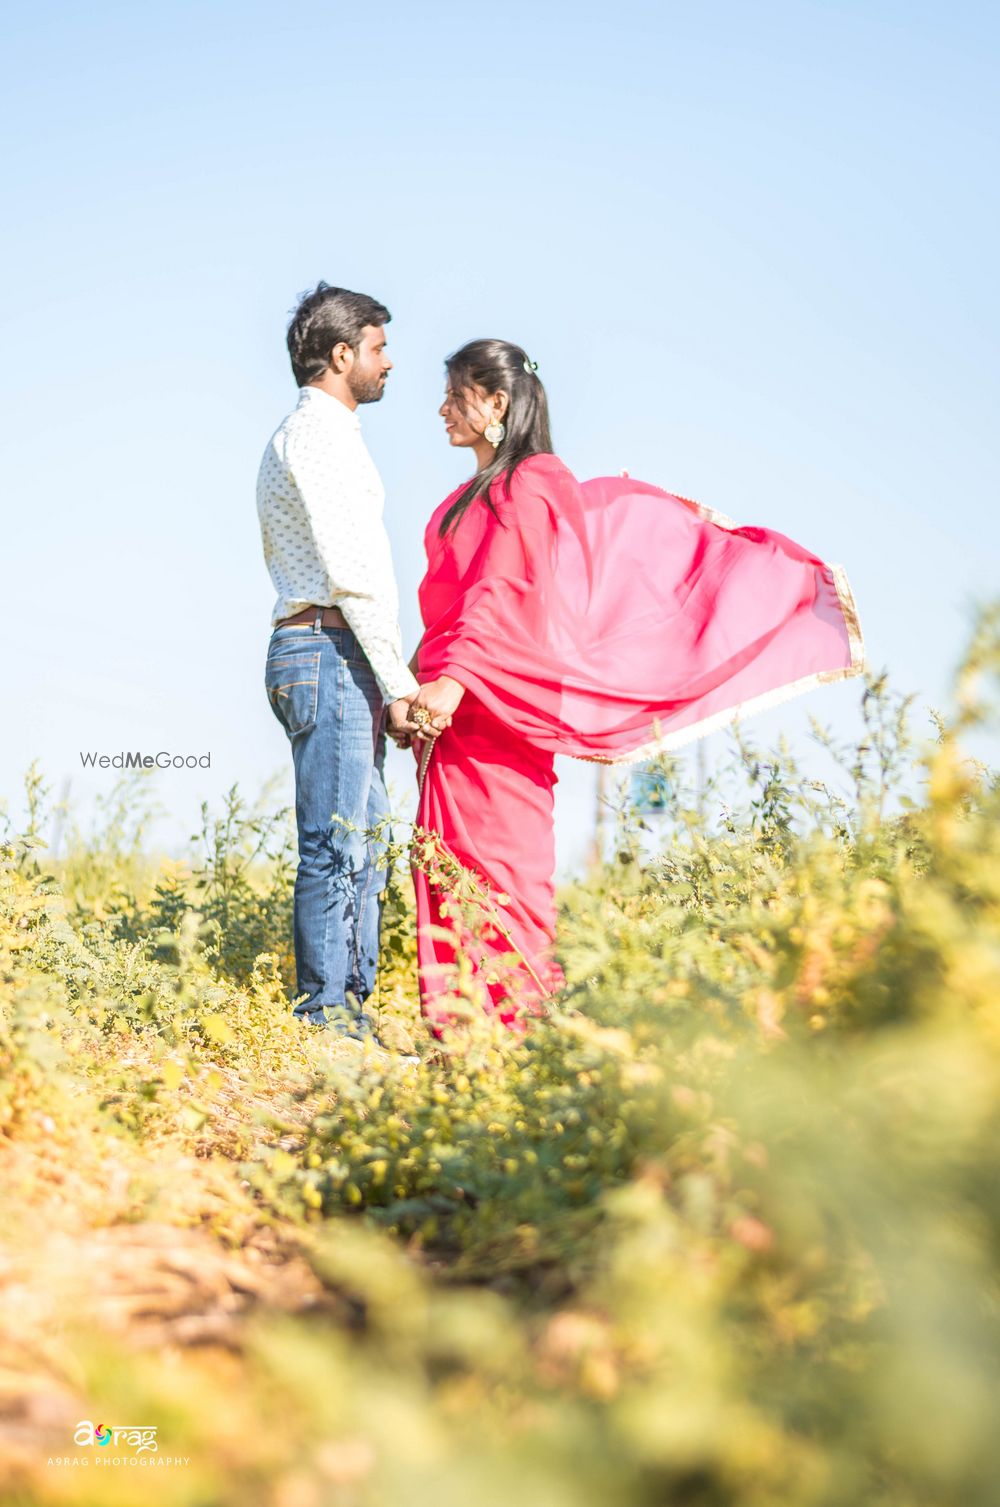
pixel 397 723
pixel 439 698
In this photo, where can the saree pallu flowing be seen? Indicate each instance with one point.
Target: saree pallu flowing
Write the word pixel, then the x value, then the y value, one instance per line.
pixel 607 621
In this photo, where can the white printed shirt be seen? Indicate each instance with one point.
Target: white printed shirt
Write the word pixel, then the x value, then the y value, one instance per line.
pixel 320 501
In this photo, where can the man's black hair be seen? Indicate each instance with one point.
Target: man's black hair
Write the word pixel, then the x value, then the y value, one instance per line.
pixel 322 320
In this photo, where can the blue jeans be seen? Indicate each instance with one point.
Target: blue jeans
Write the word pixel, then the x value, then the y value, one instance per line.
pixel 322 691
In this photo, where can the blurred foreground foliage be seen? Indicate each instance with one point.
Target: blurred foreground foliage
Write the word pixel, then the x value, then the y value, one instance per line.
pixel 723 1231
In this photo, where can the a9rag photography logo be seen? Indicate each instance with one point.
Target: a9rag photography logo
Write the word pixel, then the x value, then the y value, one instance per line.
pixel 119 1446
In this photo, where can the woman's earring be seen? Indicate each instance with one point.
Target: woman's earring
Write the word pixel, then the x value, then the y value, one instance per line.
pixel 494 432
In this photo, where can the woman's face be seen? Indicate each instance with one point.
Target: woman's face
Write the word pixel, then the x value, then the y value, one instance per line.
pixel 467 413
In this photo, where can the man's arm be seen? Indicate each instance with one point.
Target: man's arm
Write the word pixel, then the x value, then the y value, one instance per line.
pixel 355 553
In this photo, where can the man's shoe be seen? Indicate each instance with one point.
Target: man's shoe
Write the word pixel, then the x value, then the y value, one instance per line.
pixel 366 1051
pixel 374 1050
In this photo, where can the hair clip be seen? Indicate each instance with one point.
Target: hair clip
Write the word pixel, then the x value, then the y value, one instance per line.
pixel 529 366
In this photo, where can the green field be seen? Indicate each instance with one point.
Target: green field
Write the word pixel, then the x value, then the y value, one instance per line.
pixel 721 1232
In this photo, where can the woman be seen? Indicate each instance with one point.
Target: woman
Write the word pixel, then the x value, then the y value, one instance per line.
pixel 607 621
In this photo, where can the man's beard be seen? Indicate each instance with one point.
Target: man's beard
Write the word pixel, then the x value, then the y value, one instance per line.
pixel 365 389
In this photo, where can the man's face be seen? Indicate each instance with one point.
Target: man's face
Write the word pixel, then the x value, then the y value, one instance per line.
pixel 367 376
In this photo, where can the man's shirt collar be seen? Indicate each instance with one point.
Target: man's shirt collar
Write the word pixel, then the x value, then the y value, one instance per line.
pixel 326 404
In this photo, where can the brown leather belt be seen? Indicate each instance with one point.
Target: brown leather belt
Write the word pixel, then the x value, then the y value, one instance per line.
pixel 332 618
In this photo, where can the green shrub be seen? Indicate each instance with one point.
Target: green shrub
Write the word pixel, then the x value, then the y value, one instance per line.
pixel 721 1231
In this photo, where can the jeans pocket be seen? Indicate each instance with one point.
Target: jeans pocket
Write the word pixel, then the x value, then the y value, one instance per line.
pixel 291 678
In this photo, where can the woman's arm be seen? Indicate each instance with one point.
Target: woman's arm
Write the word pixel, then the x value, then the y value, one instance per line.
pixel 438 697
pixel 494 632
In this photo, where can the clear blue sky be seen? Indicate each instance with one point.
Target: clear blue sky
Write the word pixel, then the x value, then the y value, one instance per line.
pixel 752 247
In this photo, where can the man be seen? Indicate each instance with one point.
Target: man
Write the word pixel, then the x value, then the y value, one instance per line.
pixel 335 660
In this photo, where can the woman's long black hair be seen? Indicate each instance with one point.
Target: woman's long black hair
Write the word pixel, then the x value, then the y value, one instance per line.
pixel 498 366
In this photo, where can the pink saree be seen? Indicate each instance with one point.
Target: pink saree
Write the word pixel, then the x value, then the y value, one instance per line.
pixel 607 620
